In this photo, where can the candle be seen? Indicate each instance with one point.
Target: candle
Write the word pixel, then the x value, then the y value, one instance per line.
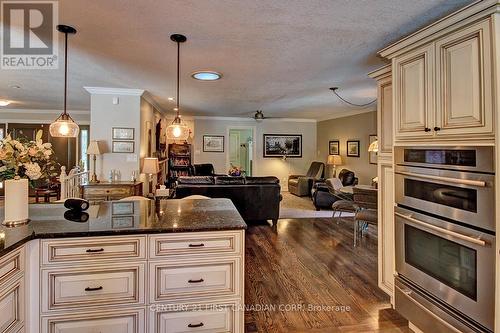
pixel 2 240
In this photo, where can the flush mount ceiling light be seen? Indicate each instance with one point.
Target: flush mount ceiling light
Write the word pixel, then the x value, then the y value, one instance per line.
pixel 178 130
pixel 206 75
pixel 4 102
pixel 64 126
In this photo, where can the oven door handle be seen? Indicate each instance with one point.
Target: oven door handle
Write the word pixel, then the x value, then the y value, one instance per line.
pixel 469 182
pixel 476 241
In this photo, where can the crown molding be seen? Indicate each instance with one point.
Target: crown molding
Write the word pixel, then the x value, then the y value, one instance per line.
pixel 150 99
pixel 466 15
pixel 381 72
pixel 114 91
pixel 292 120
pixel 346 114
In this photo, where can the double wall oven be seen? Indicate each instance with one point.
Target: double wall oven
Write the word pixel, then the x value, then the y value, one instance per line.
pixel 445 237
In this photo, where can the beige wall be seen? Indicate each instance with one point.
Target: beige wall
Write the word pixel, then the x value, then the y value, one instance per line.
pixel 357 127
pixel 104 116
pixel 261 166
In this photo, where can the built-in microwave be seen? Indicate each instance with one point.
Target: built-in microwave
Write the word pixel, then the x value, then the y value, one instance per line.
pixel 452 183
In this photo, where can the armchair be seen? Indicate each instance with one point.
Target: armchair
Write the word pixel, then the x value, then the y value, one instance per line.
pixel 301 185
pixel 323 193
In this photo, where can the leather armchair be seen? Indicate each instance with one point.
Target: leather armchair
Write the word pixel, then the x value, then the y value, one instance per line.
pixel 323 193
pixel 301 185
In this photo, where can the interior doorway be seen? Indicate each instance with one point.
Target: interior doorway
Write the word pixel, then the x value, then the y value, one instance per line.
pixel 240 152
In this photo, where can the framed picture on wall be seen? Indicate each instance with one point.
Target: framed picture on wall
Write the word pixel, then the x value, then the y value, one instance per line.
pixel 213 143
pixel 334 147
pixel 123 147
pixel 279 145
pixel 121 133
pixel 353 148
pixel 372 156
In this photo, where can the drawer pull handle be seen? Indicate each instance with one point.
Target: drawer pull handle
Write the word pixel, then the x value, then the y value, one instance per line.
pixel 196 281
pixel 196 245
pixel 93 289
pixel 195 325
pixel 95 250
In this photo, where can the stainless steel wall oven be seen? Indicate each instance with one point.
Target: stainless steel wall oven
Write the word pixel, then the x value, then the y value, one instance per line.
pixel 445 237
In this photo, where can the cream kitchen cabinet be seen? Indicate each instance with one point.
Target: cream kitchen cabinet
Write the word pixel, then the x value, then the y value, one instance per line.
pixel 384 110
pixel 413 93
pixel 443 88
pixel 12 291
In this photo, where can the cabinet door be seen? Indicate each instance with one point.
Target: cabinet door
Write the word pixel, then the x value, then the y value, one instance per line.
pixel 464 86
pixel 386 227
pixel 12 307
pixel 384 107
pixel 413 88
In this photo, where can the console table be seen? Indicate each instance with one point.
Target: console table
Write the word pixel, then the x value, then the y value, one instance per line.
pixel 106 191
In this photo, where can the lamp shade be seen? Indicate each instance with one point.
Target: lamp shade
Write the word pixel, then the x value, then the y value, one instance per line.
pixel 373 148
pixel 334 160
pixel 177 130
pixel 94 148
pixel 64 127
pixel 150 165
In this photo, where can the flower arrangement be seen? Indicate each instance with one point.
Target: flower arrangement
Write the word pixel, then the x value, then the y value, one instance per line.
pixel 234 170
pixel 22 158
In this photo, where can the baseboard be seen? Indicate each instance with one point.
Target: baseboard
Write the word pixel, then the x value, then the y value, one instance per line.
pixel 414 328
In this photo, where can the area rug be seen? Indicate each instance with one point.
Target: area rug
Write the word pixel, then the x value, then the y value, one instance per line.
pixel 294 207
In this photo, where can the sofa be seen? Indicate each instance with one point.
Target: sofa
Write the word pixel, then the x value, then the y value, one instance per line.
pixel 255 198
pixel 301 185
pixel 323 192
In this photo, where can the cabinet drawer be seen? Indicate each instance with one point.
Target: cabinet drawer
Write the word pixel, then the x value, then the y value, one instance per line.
pixel 11 265
pixel 92 286
pixel 12 307
pixel 106 190
pixel 96 248
pixel 197 279
pixel 220 318
pixel 116 321
pixel 200 243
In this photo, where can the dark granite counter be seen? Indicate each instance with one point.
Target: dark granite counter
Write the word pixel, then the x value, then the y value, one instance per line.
pixel 122 218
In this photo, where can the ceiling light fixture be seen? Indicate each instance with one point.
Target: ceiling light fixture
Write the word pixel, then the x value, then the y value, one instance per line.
pixel 171 99
pixel 178 130
pixel 206 75
pixel 334 89
pixel 15 86
pixel 64 126
pixel 4 102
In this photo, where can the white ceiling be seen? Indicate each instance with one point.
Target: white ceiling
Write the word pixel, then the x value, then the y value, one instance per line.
pixel 278 55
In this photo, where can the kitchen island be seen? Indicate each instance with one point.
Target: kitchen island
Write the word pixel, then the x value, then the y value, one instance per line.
pixel 125 266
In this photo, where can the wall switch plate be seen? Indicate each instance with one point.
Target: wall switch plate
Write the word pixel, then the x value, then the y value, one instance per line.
pixel 116 100
pixel 132 158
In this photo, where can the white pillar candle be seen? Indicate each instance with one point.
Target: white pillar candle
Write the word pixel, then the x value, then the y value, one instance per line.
pixel 16 200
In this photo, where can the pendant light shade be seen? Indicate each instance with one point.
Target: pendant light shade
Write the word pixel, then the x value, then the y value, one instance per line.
pixel 64 126
pixel 178 130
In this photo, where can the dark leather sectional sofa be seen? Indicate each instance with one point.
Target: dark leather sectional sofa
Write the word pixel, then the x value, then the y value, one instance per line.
pixel 256 198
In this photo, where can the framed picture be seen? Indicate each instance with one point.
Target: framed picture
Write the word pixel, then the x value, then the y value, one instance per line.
pixel 353 148
pixel 279 145
pixel 122 208
pixel 120 222
pixel 123 147
pixel 213 143
pixel 120 133
pixel 334 147
pixel 372 156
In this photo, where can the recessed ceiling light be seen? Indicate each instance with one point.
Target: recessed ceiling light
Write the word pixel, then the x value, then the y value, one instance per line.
pixel 176 109
pixel 171 99
pixel 15 86
pixel 206 75
pixel 4 102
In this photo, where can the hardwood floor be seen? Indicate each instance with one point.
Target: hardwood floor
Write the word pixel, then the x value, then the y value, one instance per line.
pixel 312 263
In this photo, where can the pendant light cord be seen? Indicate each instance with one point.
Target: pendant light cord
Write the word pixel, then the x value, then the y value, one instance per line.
pixel 334 89
pixel 65 70
pixel 178 73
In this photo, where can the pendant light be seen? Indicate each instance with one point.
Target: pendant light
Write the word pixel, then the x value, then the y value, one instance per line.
pixel 64 126
pixel 178 130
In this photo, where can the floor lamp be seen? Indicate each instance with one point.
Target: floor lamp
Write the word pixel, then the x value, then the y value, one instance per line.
pixel 334 160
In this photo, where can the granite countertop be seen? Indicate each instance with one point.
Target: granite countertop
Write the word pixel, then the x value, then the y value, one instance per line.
pixel 122 218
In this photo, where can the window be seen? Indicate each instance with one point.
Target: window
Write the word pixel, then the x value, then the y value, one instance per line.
pixel 84 142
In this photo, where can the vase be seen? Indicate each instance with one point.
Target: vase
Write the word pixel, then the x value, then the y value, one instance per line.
pixel 16 202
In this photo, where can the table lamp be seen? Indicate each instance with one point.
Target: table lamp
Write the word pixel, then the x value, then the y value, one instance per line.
pixel 334 160
pixel 150 167
pixel 94 150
